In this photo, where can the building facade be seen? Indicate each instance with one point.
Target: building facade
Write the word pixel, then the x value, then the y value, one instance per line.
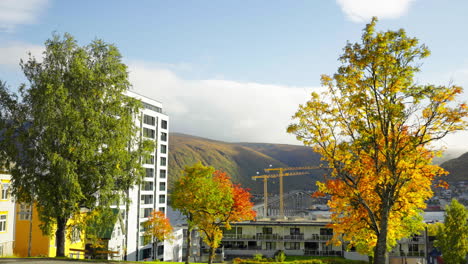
pixel 152 193
pixel 30 241
pixel 7 216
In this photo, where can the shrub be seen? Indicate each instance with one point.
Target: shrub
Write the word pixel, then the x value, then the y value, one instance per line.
pixel 280 256
pixel 258 257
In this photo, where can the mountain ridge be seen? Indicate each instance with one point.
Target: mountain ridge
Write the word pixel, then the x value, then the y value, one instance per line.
pixel 244 159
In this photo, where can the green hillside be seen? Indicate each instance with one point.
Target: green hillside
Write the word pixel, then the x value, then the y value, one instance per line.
pixel 243 160
pixel 457 168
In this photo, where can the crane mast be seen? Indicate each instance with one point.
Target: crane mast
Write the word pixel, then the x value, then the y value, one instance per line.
pixel 281 173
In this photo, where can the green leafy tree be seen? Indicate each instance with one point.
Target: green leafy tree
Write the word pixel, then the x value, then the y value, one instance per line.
pixel 452 236
pixel 69 138
pixel 373 126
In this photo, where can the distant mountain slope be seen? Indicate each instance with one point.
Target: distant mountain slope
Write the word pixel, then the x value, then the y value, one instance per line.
pixel 458 168
pixel 243 160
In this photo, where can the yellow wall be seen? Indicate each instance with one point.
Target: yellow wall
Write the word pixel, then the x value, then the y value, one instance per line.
pixel 39 242
pixel 41 245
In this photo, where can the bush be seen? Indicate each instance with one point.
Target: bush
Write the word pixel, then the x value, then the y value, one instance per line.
pixel 280 256
pixel 258 257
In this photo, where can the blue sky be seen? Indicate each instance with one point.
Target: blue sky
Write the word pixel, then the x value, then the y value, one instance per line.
pixel 235 70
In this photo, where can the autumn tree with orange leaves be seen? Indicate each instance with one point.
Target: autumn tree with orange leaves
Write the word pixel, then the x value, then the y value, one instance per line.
pixel 374 127
pixel 157 228
pixel 210 201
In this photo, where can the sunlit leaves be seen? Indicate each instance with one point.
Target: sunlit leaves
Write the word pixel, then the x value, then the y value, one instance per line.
pixel 373 127
pixel 210 201
pixel 158 227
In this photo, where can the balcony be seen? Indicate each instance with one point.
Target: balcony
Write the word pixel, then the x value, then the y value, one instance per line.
pixel 308 252
pixel 261 236
pixel 238 237
pixel 294 237
pixel 277 237
pixel 243 247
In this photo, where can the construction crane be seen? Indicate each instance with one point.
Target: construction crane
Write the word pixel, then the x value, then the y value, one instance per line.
pixel 280 175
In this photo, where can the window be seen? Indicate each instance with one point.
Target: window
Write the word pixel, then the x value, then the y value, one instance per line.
pixel 233 230
pixel 162 198
pixel 149 172
pixel 5 187
pixel 162 186
pixel 326 231
pixel 294 231
pixel 149 120
pixel 145 212
pixel 270 245
pixel 267 230
pixel 24 212
pixel 162 174
pixel 3 222
pixel 160 250
pixel 163 149
pixel 326 247
pixel 164 124
pixel 163 136
pixel 413 248
pixel 147 186
pixel 149 133
pixel 146 253
pixel 292 245
pixel 163 161
pixel 150 160
pixel 152 107
pixel 162 209
pixel 75 235
pixel 147 199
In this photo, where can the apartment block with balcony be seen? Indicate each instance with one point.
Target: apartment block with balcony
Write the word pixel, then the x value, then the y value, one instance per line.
pixel 152 193
pixel 266 237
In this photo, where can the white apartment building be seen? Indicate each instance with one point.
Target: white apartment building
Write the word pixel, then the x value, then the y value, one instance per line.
pixel 7 216
pixel 152 193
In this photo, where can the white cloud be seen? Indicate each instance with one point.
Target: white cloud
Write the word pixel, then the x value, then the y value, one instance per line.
pixel 222 109
pixel 364 10
pixel 12 52
pixel 16 12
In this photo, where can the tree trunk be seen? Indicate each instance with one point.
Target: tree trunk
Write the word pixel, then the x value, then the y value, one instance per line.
pixel 211 255
pixel 189 244
pixel 155 249
pixel 30 229
pixel 60 236
pixel 380 251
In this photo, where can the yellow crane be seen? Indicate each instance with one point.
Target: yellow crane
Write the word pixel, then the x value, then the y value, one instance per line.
pixel 280 175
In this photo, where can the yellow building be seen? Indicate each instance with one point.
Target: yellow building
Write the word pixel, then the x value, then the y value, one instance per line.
pixel 7 216
pixel 29 235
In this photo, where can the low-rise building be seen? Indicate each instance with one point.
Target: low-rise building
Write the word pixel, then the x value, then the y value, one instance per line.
pixel 30 241
pixel 7 216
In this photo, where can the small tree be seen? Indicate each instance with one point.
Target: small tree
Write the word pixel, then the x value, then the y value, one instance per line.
pixel 188 194
pixel 452 236
pixel 374 127
pixel 157 228
pixel 209 200
pixel 234 207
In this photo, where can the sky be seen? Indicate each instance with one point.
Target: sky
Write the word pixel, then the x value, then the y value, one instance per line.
pixel 236 70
